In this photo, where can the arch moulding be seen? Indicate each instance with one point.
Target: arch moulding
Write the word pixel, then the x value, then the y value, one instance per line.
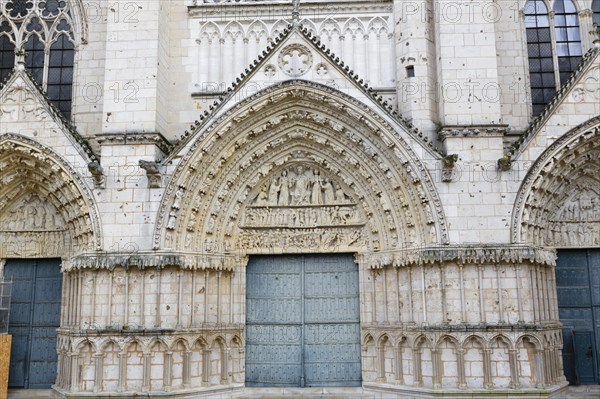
pixel 558 204
pixel 46 209
pixel 299 167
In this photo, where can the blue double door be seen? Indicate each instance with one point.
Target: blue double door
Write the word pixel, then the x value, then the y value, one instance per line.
pixel 578 288
pixel 302 321
pixel 34 318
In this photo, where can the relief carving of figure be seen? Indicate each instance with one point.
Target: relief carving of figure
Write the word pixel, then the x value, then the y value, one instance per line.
pixel 30 217
pixel 586 203
pixel 316 197
pixel 178 198
pixel 40 220
pixel 273 194
pixel 284 195
pixel 172 221
pixel 329 194
pixel 261 199
pixel 300 195
pixel 340 196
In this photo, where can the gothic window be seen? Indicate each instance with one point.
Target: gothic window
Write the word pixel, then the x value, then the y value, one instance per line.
pixel 44 30
pixel 554 48
pixel 7 57
pixel 568 40
pixel 539 48
pixel 596 11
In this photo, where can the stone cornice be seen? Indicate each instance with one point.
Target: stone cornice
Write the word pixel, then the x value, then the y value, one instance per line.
pixel 279 8
pixel 473 131
pixel 461 254
pixel 461 327
pixel 204 328
pixel 145 260
pixel 156 139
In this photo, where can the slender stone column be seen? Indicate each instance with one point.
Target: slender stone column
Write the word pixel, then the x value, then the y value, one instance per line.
pixel 586 24
pixel 512 359
pixel 206 367
pixel 74 371
pixel 399 366
pixel 98 371
pixel 187 357
pixel 417 367
pixel 168 370
pixel 146 384
pixel 460 364
pixel 224 366
pixel 122 371
pixel 380 363
pixel 546 376
pixel 487 369
pixel 540 369
pixel 437 373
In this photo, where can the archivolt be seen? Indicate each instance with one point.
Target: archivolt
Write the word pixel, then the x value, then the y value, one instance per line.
pixel 299 123
pixel 26 168
pixel 559 201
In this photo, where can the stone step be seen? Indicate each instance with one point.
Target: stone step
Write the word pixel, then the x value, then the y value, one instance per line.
pixel 291 393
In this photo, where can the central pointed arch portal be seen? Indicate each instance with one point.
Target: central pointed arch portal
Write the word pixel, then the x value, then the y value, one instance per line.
pixel 298 169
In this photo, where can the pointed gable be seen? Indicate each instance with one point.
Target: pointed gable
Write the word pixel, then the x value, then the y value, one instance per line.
pixel 26 110
pixel 298 55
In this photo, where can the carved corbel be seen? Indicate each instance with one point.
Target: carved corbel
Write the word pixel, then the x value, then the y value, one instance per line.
pixel 449 162
pixel 152 173
pixel 505 163
pixel 97 173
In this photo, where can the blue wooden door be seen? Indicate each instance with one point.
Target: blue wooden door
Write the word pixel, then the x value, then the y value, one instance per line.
pixel 34 318
pixel 302 321
pixel 578 289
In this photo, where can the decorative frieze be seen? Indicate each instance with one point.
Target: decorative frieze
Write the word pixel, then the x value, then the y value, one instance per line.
pixel 463 254
pixel 141 260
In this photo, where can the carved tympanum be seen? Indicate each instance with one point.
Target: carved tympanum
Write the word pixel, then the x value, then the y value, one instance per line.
pixel 577 223
pixel 301 206
pixel 560 200
pixel 31 214
pixel 31 226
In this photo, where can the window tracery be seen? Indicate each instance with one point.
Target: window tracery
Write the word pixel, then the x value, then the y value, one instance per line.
pixel 44 30
pixel 554 48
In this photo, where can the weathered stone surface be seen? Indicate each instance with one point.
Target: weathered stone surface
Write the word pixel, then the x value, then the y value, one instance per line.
pixel 294 146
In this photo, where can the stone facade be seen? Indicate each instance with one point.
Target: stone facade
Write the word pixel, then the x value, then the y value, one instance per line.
pixel 386 130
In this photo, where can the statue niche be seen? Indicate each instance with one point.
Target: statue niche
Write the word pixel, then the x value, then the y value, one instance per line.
pixel 301 207
pixel 32 227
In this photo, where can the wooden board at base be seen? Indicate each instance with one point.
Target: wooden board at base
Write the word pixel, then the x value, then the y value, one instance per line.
pixel 5 341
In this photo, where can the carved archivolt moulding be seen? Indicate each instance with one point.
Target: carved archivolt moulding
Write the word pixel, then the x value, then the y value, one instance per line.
pixel 299 168
pixel 45 207
pixel 558 203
